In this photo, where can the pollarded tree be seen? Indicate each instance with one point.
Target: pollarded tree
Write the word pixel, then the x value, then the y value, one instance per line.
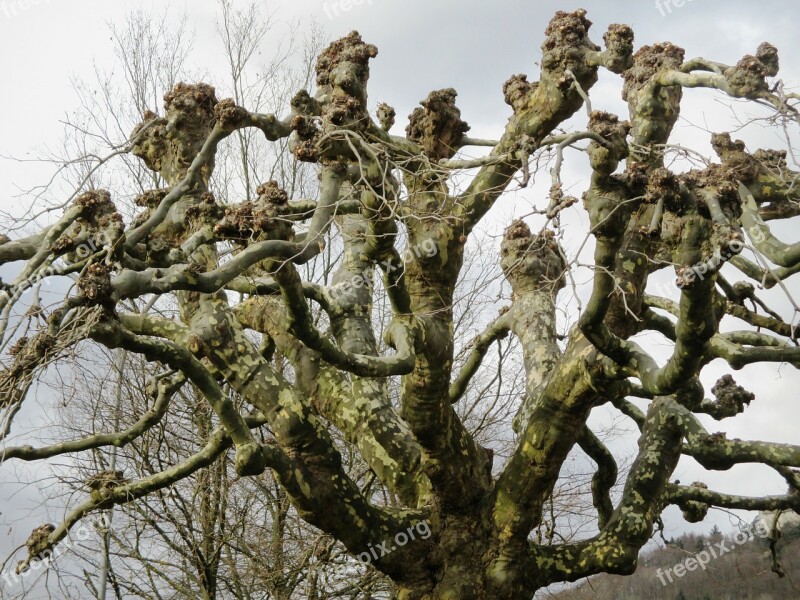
pixel 453 525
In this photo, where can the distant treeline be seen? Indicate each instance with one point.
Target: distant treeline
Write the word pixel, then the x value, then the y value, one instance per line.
pixel 742 572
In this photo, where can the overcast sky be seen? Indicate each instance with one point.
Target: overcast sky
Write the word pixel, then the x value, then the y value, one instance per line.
pixel 423 45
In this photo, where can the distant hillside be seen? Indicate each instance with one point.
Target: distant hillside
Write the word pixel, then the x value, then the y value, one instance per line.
pixel 742 572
